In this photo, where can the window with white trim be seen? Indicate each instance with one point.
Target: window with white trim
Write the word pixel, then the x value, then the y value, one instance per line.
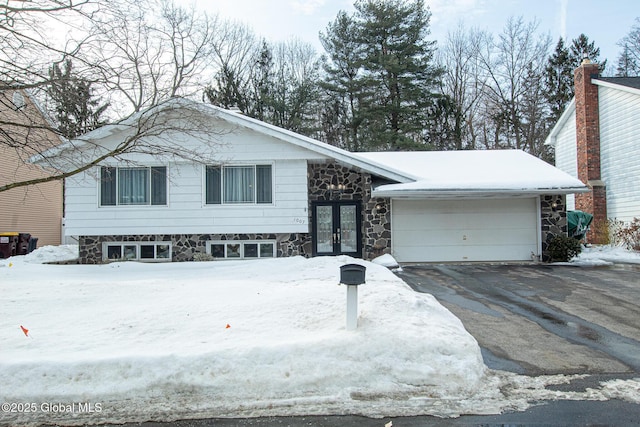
pixel 241 249
pixel 136 251
pixel 239 184
pixel 133 186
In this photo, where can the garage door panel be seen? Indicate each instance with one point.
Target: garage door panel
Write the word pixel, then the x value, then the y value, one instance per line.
pixel 464 230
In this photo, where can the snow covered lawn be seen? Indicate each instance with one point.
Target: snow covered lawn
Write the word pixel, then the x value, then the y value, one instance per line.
pixel 134 342
pixel 241 338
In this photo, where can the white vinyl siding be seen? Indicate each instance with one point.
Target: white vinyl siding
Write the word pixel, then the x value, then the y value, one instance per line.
pixel 186 211
pixel 620 151
pixel 566 153
pixel 465 230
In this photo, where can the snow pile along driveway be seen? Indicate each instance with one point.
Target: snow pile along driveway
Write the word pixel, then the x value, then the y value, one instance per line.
pixel 226 339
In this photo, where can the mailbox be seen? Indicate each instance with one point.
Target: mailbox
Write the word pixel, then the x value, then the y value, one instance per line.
pixel 352 274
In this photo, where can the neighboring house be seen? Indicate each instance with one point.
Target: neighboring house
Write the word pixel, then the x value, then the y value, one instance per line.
pixel 35 209
pixel 270 192
pixel 596 140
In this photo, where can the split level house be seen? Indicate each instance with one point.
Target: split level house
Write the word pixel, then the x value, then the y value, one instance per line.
pixel 258 191
pixel 34 209
pixel 596 141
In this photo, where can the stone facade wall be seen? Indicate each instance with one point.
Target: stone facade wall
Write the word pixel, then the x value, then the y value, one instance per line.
pixel 553 220
pixel 376 212
pixel 185 246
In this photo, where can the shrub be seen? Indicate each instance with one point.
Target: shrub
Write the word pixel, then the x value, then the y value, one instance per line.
pixel 627 234
pixel 199 256
pixel 563 248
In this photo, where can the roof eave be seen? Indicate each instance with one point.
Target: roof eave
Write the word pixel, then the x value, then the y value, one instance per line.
pixel 552 138
pixel 616 86
pixel 471 192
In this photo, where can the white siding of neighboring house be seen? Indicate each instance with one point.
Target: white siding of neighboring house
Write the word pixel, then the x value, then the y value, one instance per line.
pixel 186 211
pixel 620 151
pixel 566 153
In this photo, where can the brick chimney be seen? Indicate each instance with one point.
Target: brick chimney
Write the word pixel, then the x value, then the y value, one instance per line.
pixel 588 151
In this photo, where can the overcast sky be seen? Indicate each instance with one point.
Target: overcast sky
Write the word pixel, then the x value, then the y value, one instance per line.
pixel 605 22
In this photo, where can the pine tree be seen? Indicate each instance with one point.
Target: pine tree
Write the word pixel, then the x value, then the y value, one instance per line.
pixel 342 83
pixel 381 76
pixel 558 80
pixel 581 48
pixel 76 110
pixel 629 60
pixel 399 70
pixel 627 65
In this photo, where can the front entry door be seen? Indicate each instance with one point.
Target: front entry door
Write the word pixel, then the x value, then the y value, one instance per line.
pixel 337 228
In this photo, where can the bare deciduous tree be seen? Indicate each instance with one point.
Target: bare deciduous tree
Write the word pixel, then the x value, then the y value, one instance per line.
pixel 513 62
pixel 463 82
pixel 142 55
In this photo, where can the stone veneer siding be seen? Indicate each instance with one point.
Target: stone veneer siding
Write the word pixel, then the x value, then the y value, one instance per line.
pixel 185 246
pixel 376 212
pixel 553 221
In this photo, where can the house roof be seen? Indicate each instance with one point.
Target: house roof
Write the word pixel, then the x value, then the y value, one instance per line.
pixel 93 138
pixel 626 84
pixel 473 173
pixel 632 82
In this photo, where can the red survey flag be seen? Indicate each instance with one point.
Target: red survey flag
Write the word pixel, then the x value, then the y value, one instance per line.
pixel 228 326
pixel 25 330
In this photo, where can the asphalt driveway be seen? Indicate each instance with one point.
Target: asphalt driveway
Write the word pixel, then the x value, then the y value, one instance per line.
pixel 543 319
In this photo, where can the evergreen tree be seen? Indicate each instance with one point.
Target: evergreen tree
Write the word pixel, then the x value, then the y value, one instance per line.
pixel 381 76
pixel 629 60
pixel 342 84
pixel 627 64
pixel 76 110
pixel 558 80
pixel 581 48
pixel 558 77
pixel 399 70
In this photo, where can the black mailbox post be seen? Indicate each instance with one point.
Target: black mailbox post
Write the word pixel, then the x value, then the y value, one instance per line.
pixel 352 275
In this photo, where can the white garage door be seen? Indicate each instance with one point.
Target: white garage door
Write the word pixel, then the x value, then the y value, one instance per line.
pixel 464 230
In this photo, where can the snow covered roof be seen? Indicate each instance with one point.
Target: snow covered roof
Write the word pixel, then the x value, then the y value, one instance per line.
pixel 477 173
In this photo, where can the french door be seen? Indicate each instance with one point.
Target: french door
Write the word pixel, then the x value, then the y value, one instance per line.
pixel 337 228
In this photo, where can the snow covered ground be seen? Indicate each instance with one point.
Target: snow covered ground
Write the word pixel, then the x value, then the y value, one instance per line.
pixel 83 344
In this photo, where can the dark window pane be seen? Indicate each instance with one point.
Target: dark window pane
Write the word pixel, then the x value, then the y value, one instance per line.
pixel 251 250
pixel 114 252
pixel 147 251
pixel 130 252
pixel 162 251
pixel 159 185
pixel 107 186
pixel 264 182
pixel 213 185
pixel 217 250
pixel 266 250
pixel 233 250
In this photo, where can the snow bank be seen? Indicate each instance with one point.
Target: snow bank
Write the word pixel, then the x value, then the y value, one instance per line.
pixel 606 255
pixel 268 337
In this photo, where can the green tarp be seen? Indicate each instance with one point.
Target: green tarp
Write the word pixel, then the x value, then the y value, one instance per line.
pixel 578 223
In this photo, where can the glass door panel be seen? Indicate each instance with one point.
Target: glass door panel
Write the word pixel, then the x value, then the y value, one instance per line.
pixel 348 231
pixel 324 230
